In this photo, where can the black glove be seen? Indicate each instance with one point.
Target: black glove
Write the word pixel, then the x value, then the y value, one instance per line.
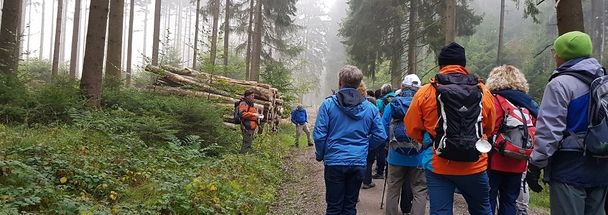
pixel 532 177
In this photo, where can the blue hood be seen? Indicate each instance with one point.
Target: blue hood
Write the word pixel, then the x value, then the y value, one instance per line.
pixel 590 65
pixel 349 102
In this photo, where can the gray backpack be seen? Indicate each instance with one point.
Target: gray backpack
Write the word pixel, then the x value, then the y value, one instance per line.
pixel 596 138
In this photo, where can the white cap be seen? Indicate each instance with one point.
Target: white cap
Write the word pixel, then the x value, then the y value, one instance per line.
pixel 411 80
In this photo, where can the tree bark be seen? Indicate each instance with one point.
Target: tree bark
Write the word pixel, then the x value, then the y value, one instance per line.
pixel 256 50
pixel 54 17
pixel 501 28
pixel 412 38
pixel 75 37
pixel 226 34
pixel 156 37
pixel 41 49
pixel 215 12
pixel 178 34
pixel 249 40
pixel 114 55
pixel 57 45
pixel 9 36
pixel 90 84
pixel 450 21
pixel 597 33
pixel 130 42
pixel 196 30
pixel 570 16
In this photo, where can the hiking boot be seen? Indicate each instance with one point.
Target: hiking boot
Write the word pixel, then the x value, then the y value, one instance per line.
pixel 377 176
pixel 310 144
pixel 367 186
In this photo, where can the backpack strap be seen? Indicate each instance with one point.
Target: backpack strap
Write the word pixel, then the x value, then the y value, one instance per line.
pixel 583 76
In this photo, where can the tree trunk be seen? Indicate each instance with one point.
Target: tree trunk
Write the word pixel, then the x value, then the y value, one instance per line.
pixel 178 35
pixel 130 42
pixel 145 49
pixel 216 16
pixel 9 36
pixel 450 21
pixel 53 17
pixel 75 37
pixel 256 49
pixel 570 16
pixel 64 23
pixel 226 34
pixel 156 37
pixel 90 84
pixel 501 29
pixel 114 55
pixel 597 10
pixel 42 30
pixel 412 38
pixel 196 30
pixel 397 50
pixel 29 28
pixel 57 48
pixel 249 40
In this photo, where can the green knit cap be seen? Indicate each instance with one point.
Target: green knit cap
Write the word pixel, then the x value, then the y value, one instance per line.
pixel 572 45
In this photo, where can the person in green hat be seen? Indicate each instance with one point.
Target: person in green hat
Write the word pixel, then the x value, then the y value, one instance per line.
pixel 577 180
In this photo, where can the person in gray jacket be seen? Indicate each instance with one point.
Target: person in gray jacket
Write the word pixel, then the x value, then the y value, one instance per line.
pixel 577 180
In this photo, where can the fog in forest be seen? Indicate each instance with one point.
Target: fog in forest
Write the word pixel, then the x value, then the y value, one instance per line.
pixel 318 38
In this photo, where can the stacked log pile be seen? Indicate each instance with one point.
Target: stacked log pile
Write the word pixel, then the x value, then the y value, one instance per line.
pixel 219 89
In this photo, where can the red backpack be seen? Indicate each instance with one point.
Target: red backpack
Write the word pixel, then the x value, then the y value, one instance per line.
pixel 515 137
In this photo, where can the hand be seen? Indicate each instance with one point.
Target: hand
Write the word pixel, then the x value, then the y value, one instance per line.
pixel 532 177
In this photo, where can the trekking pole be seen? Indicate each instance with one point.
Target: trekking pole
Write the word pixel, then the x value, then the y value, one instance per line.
pixel 385 179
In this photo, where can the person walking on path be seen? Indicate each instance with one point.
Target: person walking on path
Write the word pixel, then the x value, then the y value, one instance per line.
pixel 248 116
pixel 406 181
pixel 514 131
pixel 577 179
pixel 457 110
pixel 346 126
pixel 300 119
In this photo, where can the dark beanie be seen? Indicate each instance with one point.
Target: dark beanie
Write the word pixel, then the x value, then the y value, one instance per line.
pixel 452 54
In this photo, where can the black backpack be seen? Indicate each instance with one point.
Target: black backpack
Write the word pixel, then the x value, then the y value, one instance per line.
pixel 236 113
pixel 596 138
pixel 459 100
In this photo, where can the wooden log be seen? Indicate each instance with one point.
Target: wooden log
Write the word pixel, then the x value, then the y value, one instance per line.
pixel 207 76
pixel 178 79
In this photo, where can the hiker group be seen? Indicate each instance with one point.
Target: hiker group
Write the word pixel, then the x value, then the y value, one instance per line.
pixel 487 140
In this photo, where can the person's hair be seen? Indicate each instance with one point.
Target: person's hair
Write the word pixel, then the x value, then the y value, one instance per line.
pixel 385 89
pixel 507 77
pixel 362 89
pixel 248 92
pixel 350 76
pixel 370 93
pixel 377 94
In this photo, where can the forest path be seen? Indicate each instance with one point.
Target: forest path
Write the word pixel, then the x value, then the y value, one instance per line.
pixel 303 191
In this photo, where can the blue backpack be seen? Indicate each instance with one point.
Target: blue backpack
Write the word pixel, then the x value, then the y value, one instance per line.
pixel 399 141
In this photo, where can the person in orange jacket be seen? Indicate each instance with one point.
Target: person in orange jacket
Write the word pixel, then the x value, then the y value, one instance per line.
pixel 249 119
pixel 467 119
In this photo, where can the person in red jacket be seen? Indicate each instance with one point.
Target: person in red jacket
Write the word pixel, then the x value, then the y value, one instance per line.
pixel 249 119
pixel 509 87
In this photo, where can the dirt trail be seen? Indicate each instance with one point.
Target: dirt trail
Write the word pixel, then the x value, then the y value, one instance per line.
pixel 303 191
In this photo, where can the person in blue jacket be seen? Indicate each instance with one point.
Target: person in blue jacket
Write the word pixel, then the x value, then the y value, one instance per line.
pixel 300 119
pixel 406 183
pixel 347 125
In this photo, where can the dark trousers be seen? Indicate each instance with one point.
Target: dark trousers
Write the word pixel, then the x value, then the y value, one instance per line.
pixel 380 160
pixel 405 202
pixel 474 188
pixel 505 187
pixel 342 184
pixel 371 156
